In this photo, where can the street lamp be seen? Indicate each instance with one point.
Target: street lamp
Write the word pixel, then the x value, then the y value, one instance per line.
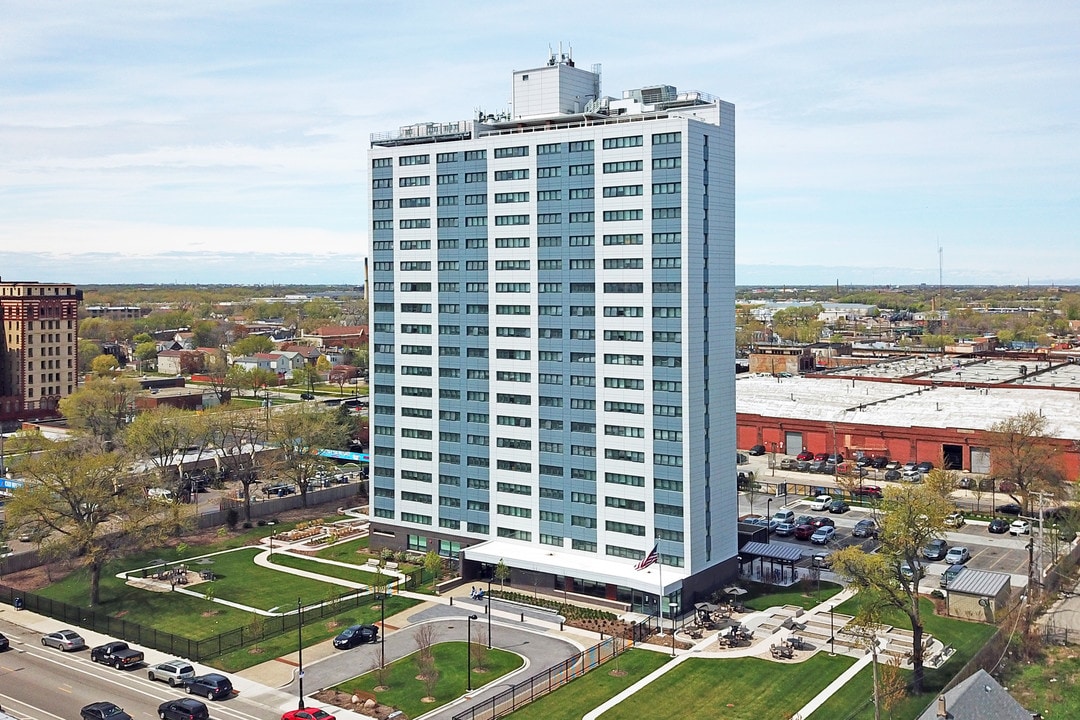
pixel 674 610
pixel 468 651
pixel 382 630
pixel 489 612
pixel 768 519
pixel 832 633
pixel 300 652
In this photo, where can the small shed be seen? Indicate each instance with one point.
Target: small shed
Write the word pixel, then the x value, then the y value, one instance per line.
pixel 978 595
pixel 780 556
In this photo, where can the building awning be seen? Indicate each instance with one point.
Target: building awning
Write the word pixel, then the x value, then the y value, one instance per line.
pixel 778 552
pixel 544 559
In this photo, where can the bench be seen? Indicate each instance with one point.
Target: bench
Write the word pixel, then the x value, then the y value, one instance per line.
pixel 391 566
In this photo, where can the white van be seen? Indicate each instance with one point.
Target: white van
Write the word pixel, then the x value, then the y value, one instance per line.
pixel 784 516
pixel 160 494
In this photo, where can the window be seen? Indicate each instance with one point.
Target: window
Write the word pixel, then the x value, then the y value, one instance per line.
pixel 382 224
pixel 549 218
pixel 623 166
pixel 382 162
pixel 475 155
pixel 666 213
pixel 667 385
pixel 448 179
pixel 476 309
pixel 514 197
pixel 580 241
pixel 511 219
pixel 513 488
pixel 445 200
pixel 624 383
pixel 477 221
pixel 549 379
pixel 623 312
pixel 581 146
pixel 549 149
pixel 544 195
pixel 548 401
pixel 381 183
pixel 516 287
pixel 624 431
pixel 624 503
pixel 667 336
pixel 581 169
pixel 666 163
pixel 448 287
pixel 416 519
pixel 583 264
pixel 414 224
pixel 511 332
pixel 550 333
pixel 666 287
pixel 581 217
pixel 626 455
pixel 666 138
pixel 445 223
pixel 445 265
pixel 622 142
pixel 476 243
pixel 548 287
pixel 381 204
pixel 414 160
pixel 624 287
pixel 624 407
pixel 515 242
pixel 414 181
pixel 668 460
pixel 671 510
pixel 665 484
pixel 446 157
pixel 513 309
pixel 627 528
pixel 667 410
pixel 673 238
pixel 476 199
pixel 547 264
pixel 501 175
pixel 548 172
pixel 476 177
pixel 623 191
pixel 555 241
pixel 623 479
pixel 621 215
pixel 507 152
pixel 624 335
pixel 415 245
pixel 667 361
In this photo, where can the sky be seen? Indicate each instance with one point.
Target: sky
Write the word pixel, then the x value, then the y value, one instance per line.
pixel 226 142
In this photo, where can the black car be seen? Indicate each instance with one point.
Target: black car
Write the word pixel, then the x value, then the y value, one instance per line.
pixel 356 635
pixel 756 450
pixel 925 466
pixel 893 475
pixel 307 396
pixel 183 709
pixel 935 550
pixel 839 506
pixel 4 642
pixel 865 528
pixel 1010 509
pixel 879 463
pixel 213 685
pixel 103 711
pixel 998 526
pixel 279 490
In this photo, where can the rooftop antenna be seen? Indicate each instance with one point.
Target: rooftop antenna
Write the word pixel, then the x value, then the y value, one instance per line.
pixel 941 308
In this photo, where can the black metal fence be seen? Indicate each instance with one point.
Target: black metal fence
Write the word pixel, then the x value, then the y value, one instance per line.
pixel 545 682
pixel 193 649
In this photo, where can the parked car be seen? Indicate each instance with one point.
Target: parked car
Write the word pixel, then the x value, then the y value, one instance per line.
pixel 1010 509
pixel 803 520
pixel 741 459
pixel 965 483
pixel 892 475
pixel 957 555
pixel 823 535
pixel 103 711
pixel 804 532
pixel 174 672
pixel 356 635
pixel 821 560
pixel 893 465
pixel 213 685
pixel 756 450
pixel 785 529
pixel 821 502
pixel 823 521
pixel 805 455
pixel 66 640
pixel 909 574
pixel 784 515
pixel 950 574
pixel 788 464
pixel 865 528
pixel 183 709
pixel 1020 527
pixel 879 463
pixel 998 526
pixel 910 468
pixel 867 491
pixel 835 458
pixel 914 477
pixel 307 396
pixel 955 519
pixel 820 457
pixel 4 642
pixel 280 490
pixel 839 506
pixel 804 465
pixel 116 653
pixel 925 466
pixel 935 549
pixel 307 714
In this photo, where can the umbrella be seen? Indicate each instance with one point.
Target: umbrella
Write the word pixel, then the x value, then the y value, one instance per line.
pixel 736 591
pixel 706 607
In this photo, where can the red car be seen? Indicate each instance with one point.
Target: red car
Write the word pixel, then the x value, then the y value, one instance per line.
pixel 805 455
pixel 822 522
pixel 821 457
pixel 870 491
pixel 307 714
pixel 803 532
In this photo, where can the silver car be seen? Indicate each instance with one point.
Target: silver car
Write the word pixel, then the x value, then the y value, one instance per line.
pixel 65 640
pixel 174 672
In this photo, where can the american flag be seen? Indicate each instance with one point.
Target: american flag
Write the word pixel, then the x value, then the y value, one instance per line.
pixel 652 557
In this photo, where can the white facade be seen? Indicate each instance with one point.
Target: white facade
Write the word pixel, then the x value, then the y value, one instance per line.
pixel 552 344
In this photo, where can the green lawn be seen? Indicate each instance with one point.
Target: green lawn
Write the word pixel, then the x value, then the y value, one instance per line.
pixel 353 574
pixel 314 633
pixel 1048 686
pixel 593 688
pixel 353 551
pixel 240 580
pixel 739 688
pixel 966 637
pixel 761 596
pixel 405 691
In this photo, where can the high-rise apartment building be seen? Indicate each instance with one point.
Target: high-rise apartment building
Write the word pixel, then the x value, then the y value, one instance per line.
pixel 39 353
pixel 552 336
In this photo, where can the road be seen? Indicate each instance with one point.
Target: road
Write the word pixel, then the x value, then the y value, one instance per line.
pixel 44 684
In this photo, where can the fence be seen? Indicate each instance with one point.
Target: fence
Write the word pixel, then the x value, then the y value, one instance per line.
pixel 193 649
pixel 261 507
pixel 545 682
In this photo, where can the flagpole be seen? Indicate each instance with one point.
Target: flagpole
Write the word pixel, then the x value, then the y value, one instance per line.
pixel 660 596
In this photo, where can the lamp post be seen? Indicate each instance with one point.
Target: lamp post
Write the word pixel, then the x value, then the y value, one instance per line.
pixel 768 519
pixel 674 611
pixel 489 612
pixel 468 651
pixel 832 633
pixel 382 630
pixel 300 652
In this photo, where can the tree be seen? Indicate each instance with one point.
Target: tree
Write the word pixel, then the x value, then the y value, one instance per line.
pixel 161 436
pixel 306 376
pixel 237 437
pixel 252 344
pixel 76 491
pixel 798 323
pixel 433 564
pixel 1022 452
pixel 259 378
pixel 235 378
pixel 144 353
pixel 88 351
pixel 104 365
pixel 911 517
pixel 502 573
pixel 297 433
pixel 101 406
pixel 322 365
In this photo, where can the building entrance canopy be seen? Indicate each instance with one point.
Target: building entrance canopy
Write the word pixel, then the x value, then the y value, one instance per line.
pixel 538 558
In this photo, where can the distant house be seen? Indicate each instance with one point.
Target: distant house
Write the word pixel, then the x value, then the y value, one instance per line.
pixel 351 336
pixel 288 361
pixel 262 361
pixel 979 696
pixel 310 353
pixel 186 340
pixel 180 362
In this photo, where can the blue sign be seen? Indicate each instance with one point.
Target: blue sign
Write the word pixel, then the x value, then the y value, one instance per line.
pixel 344 455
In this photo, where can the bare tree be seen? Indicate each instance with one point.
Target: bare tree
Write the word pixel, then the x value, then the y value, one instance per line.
pixel 425 639
pixel 298 433
pixel 1023 454
pixel 479 648
pixel 238 437
pixel 429 676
